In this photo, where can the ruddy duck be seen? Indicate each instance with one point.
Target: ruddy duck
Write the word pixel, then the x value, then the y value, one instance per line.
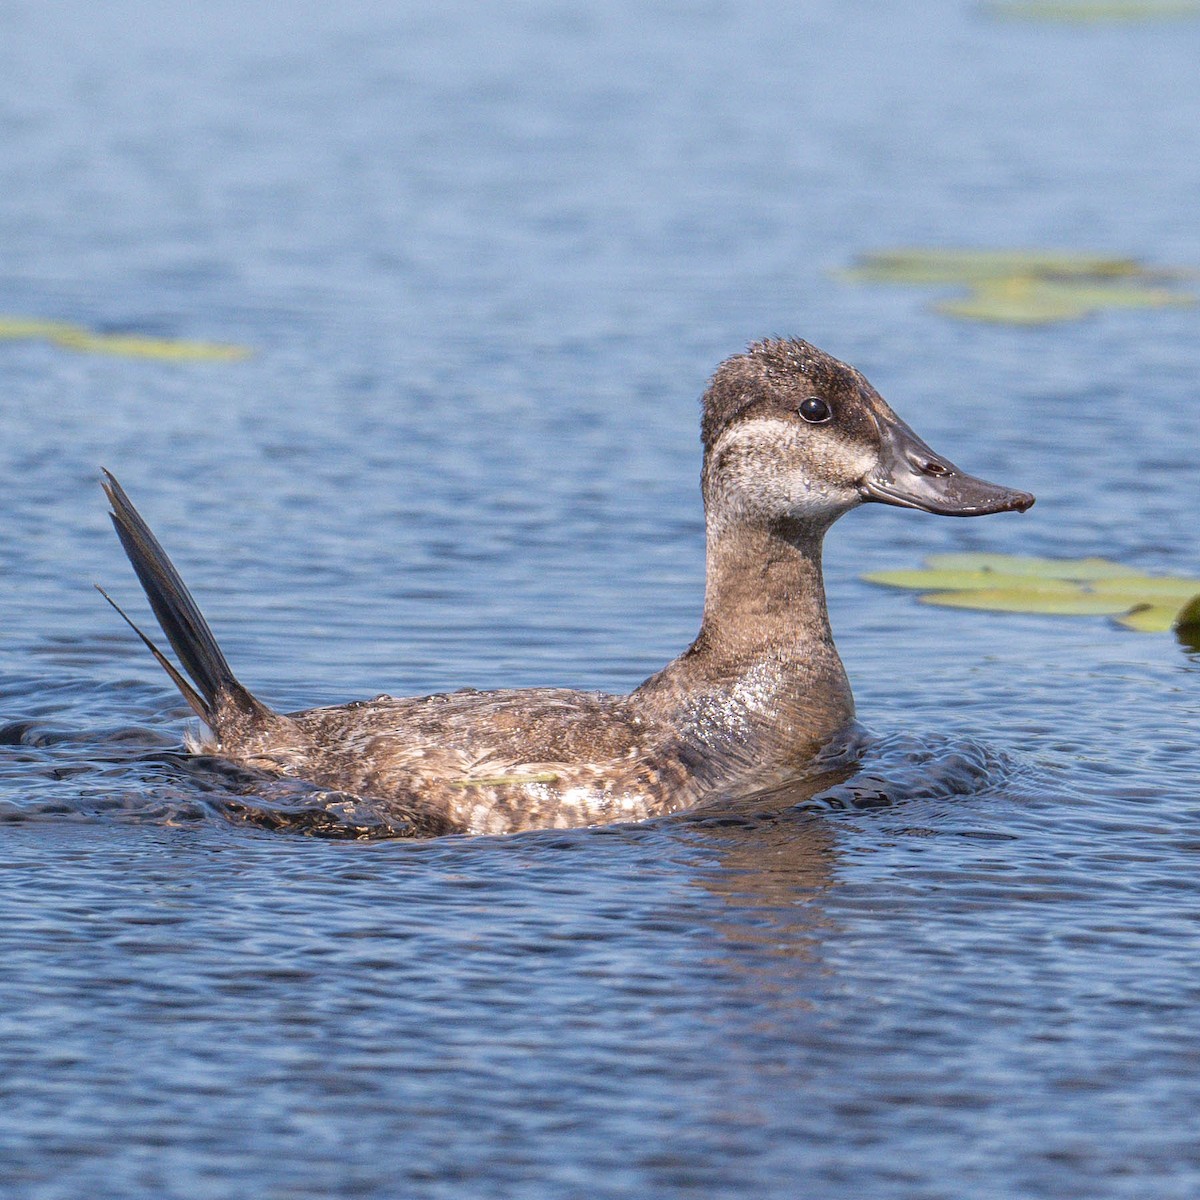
pixel 792 440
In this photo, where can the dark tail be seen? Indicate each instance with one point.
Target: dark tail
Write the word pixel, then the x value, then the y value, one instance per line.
pixel 216 687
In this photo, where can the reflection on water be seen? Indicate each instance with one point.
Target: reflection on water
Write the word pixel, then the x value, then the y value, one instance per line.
pixel 486 257
pixel 771 875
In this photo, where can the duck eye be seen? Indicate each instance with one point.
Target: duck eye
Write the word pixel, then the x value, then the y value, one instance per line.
pixel 815 409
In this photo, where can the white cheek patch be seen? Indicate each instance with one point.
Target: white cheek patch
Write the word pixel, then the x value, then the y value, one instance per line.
pixel 772 467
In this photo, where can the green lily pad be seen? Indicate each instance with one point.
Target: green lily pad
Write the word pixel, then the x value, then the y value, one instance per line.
pixel 949 265
pixel 1026 300
pixel 131 346
pixel 1090 12
pixel 1159 616
pixel 81 340
pixel 1023 565
pixel 1149 589
pixel 1024 287
pixel 1003 306
pixel 31 327
pixel 947 580
pixel 1068 601
pixel 1069 587
pixel 1149 618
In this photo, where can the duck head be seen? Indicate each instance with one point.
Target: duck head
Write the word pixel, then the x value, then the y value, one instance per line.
pixel 793 436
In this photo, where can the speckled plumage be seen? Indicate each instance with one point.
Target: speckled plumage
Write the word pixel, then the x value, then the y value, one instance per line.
pixel 749 703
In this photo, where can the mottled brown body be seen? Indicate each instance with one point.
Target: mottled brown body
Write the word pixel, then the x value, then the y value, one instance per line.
pixel 483 762
pixel 793 439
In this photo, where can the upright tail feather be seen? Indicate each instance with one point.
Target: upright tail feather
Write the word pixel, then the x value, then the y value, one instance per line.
pixel 178 615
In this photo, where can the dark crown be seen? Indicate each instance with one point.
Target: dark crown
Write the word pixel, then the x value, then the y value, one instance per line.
pixel 771 367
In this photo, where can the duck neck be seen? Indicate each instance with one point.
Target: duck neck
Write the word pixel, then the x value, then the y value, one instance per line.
pixel 763 669
pixel 764 595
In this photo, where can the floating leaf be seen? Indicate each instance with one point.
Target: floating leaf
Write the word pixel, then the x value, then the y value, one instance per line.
pixel 948 265
pixel 962 581
pixel 1004 304
pixel 1150 589
pixel 1076 587
pixel 1066 601
pixel 146 347
pixel 1079 569
pixel 1089 12
pixel 1149 618
pixel 1024 287
pixel 31 327
pixel 1027 300
pixel 76 337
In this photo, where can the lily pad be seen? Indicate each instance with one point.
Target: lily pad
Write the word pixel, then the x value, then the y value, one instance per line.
pixel 32 327
pixel 79 339
pixel 1149 589
pixel 1028 300
pixel 1149 618
pixel 951 265
pixel 1024 287
pixel 964 581
pixel 1067 601
pixel 1069 587
pixel 1091 12
pixel 131 346
pixel 1003 305
pixel 1024 565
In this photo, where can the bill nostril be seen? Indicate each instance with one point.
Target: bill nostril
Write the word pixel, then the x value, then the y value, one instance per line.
pixel 932 467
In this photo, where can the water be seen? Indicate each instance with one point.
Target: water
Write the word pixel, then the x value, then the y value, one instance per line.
pixel 487 256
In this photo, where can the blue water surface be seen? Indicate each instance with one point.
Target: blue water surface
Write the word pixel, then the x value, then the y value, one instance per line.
pixel 485 257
